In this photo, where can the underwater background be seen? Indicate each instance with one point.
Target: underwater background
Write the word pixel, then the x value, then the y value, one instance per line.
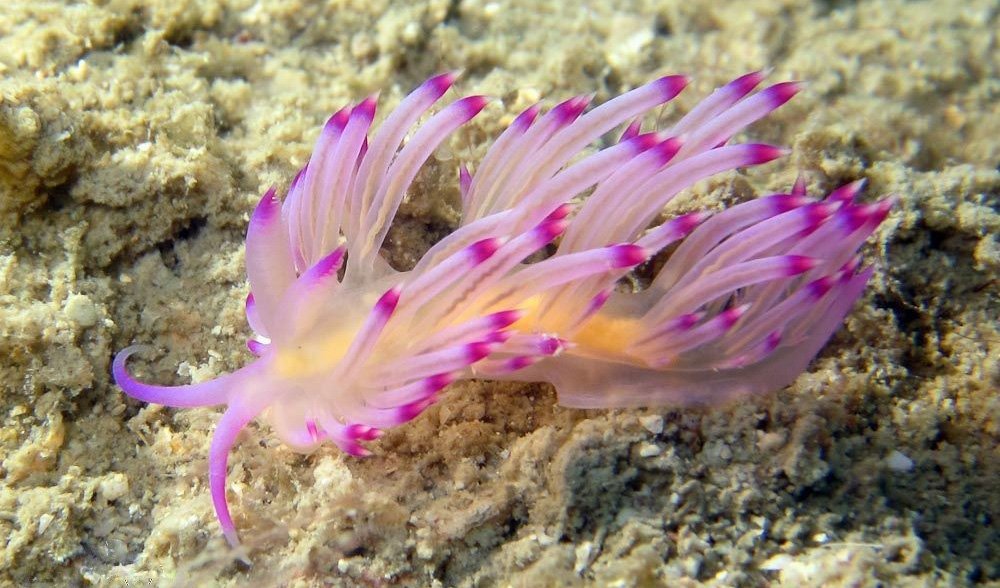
pixel 136 137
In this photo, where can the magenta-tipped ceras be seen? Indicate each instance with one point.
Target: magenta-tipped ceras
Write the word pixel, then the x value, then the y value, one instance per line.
pixel 746 300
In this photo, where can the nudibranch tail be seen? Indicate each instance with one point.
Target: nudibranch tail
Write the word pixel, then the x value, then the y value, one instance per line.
pixel 527 287
pixel 740 307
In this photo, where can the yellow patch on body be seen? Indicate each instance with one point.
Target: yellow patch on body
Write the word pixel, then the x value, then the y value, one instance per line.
pixel 601 335
pixel 314 356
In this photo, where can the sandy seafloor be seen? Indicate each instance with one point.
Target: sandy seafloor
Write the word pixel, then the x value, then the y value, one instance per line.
pixel 135 137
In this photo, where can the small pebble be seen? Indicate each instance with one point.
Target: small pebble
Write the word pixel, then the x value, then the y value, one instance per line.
pixel 649 450
pixel 652 423
pixel 898 462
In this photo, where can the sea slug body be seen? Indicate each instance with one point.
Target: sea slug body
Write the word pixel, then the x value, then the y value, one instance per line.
pixel 347 346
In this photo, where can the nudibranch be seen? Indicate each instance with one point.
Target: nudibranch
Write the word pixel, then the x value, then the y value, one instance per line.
pixel 347 346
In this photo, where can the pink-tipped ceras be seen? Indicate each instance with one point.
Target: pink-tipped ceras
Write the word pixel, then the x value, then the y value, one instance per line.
pixel 748 297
